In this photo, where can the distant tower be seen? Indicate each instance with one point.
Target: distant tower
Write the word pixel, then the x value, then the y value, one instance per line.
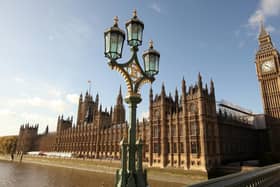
pixel 26 138
pixel 119 110
pixel 47 130
pixel 184 132
pixel 87 109
pixel 268 71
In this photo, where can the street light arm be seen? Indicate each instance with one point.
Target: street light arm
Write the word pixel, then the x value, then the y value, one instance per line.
pixel 119 67
pixel 132 72
pixel 142 81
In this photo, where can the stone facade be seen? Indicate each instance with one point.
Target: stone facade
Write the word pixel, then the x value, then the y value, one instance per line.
pixel 27 137
pixel 183 131
pixel 183 128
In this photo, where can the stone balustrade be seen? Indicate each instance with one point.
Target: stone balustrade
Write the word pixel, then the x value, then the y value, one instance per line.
pixel 264 177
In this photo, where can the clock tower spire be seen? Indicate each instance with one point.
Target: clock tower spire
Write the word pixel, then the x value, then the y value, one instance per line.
pixel 268 71
pixel 265 42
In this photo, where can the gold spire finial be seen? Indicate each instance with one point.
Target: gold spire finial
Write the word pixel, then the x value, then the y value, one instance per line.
pixel 262 28
pixel 116 20
pixel 134 13
pixel 151 44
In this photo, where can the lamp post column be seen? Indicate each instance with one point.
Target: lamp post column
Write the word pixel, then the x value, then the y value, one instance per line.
pixel 132 102
pixel 135 76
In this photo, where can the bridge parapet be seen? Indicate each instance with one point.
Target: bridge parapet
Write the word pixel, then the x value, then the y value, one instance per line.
pixel 265 177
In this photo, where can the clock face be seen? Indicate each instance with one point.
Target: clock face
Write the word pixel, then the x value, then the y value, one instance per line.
pixel 267 66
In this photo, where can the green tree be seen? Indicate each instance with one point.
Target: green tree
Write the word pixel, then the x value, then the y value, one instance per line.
pixel 7 144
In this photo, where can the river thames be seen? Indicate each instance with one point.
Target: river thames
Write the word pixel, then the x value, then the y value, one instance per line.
pixel 14 174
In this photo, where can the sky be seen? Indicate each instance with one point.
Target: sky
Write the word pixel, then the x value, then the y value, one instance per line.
pixel 50 49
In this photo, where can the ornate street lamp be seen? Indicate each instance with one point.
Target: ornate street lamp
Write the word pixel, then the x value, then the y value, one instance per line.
pixel 135 77
pixel 114 38
pixel 134 29
pixel 151 60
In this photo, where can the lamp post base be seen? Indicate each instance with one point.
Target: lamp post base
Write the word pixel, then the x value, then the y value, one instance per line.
pixel 137 179
pixel 131 176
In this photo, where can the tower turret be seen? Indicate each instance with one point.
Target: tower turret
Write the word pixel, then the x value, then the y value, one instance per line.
pixel 47 130
pixel 87 109
pixel 163 91
pixel 120 98
pixel 176 98
pixel 119 110
pixel 212 88
pixel 97 98
pixel 183 88
pixel 100 108
pixel 199 81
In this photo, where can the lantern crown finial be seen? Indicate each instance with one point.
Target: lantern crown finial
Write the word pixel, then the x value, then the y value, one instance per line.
pixel 114 38
pixel 151 44
pixel 134 13
pixel 116 20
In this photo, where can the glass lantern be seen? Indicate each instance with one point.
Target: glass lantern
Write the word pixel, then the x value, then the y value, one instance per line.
pixel 151 61
pixel 134 28
pixel 114 38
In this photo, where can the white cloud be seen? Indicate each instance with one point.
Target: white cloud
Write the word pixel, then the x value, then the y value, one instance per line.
pixel 19 79
pixel 270 28
pixel 15 119
pixel 72 98
pixel 267 8
pixel 55 105
pixel 256 18
pixel 35 104
pixel 7 112
pixel 155 6
pixel 144 115
pixel 54 92
pixel 43 111
pixel 38 118
pixel 270 7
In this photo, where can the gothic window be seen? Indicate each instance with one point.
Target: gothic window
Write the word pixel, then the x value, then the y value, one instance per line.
pixel 146 147
pixel 193 129
pixel 174 148
pixel 181 147
pixel 156 148
pixel 156 113
pixel 156 132
pixel 173 130
pixel 180 131
pixel 167 129
pixel 194 148
pixel 192 108
pixel 168 148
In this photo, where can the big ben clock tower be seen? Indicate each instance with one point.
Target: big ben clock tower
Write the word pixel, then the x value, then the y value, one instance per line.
pixel 268 71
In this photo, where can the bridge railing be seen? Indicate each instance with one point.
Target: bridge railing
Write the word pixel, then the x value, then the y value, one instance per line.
pixel 264 177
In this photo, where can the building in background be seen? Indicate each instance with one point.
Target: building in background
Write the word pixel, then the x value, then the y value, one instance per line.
pixel 189 130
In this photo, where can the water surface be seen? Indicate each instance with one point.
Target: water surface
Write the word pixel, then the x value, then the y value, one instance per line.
pixel 13 174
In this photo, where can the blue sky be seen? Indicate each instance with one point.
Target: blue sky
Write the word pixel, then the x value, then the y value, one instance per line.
pixel 49 49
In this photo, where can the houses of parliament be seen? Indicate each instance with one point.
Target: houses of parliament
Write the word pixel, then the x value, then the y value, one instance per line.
pixel 189 130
